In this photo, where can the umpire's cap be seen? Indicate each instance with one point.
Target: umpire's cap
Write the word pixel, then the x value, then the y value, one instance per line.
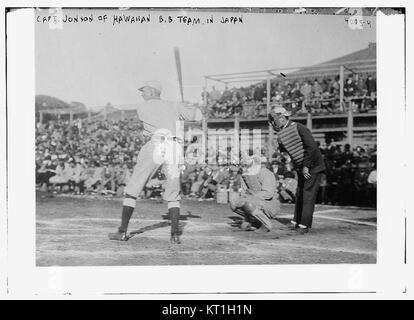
pixel 151 84
pixel 281 111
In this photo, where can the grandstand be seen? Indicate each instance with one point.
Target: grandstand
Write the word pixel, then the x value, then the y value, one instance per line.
pixel 345 122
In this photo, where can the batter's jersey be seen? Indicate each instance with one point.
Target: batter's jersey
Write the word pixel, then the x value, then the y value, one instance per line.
pixel 158 114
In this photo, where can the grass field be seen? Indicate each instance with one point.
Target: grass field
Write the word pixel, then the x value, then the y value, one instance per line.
pixel 72 231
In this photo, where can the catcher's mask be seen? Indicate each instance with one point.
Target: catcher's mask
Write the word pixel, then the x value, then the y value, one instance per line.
pixel 276 112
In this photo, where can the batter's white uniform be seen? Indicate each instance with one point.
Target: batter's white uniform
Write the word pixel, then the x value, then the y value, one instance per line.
pixel 160 123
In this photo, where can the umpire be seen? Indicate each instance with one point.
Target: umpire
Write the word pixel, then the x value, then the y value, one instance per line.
pixel 297 141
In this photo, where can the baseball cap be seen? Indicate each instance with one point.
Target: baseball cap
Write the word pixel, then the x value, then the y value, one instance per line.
pixel 152 84
pixel 280 110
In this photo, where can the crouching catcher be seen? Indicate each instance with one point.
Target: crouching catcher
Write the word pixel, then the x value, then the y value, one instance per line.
pixel 259 201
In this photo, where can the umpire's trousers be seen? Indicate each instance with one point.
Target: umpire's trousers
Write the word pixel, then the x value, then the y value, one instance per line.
pixel 306 194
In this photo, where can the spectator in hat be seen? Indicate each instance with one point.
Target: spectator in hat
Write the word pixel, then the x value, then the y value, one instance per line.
pixel 62 174
pixel 95 176
pixel 75 179
pixel 214 95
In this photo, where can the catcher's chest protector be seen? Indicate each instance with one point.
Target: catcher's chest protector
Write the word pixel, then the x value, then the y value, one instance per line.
pixel 290 139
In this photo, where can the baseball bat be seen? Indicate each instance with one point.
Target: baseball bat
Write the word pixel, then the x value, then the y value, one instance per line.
pixel 178 66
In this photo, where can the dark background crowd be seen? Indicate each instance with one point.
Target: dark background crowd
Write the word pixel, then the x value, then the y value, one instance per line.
pixel 350 178
pixel 97 157
pixel 319 96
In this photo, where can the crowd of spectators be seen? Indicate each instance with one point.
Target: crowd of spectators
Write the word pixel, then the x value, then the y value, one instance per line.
pixel 86 157
pixel 351 175
pixel 97 157
pixel 319 96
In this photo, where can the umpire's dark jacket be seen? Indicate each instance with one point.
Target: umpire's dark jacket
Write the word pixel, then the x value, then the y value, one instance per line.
pixel 312 157
pixel 307 190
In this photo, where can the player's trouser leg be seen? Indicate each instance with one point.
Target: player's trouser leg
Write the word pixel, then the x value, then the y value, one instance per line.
pixel 237 207
pixel 144 167
pixel 254 212
pixel 310 191
pixel 172 188
pixel 172 196
pixel 299 199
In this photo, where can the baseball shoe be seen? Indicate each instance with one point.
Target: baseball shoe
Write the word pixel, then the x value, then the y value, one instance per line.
pixel 293 225
pixel 119 236
pixel 302 229
pixel 246 226
pixel 261 216
pixel 262 229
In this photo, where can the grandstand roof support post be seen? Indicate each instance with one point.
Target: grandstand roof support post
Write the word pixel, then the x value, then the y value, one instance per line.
pixel 205 92
pixel 204 140
pixel 41 116
pixel 268 95
pixel 122 115
pixel 341 88
pixel 105 113
pixel 350 126
pixel 309 121
pixel 270 135
pixel 70 117
pixel 235 150
pixel 89 116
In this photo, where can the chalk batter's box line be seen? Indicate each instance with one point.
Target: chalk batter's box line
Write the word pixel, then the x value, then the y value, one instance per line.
pixel 316 215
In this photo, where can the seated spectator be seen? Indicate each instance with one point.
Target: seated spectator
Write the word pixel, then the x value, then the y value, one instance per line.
pixel 107 183
pixel 316 89
pixel 46 170
pixel 371 85
pixel 306 90
pixel 226 96
pixel 197 184
pixel 76 182
pixel 95 172
pixel 208 187
pixel 326 103
pixel 85 174
pixel 123 175
pixel 349 88
pixel 214 95
pixel 259 92
pixel 61 177
pixel 154 187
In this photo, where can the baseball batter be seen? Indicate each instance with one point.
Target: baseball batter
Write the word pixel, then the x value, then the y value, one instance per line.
pixel 160 119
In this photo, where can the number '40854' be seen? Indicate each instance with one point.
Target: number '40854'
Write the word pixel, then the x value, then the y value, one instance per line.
pixel 358 22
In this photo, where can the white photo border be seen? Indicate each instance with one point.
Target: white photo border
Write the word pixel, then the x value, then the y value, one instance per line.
pixel 24 279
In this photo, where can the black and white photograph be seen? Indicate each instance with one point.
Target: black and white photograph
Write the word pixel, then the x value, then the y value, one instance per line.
pixel 221 137
pixel 272 138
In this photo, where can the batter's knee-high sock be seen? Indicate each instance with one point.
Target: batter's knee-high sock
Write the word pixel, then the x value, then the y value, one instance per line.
pixel 127 210
pixel 175 220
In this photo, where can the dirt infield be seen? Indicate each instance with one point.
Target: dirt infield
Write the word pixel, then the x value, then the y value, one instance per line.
pixel 72 231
